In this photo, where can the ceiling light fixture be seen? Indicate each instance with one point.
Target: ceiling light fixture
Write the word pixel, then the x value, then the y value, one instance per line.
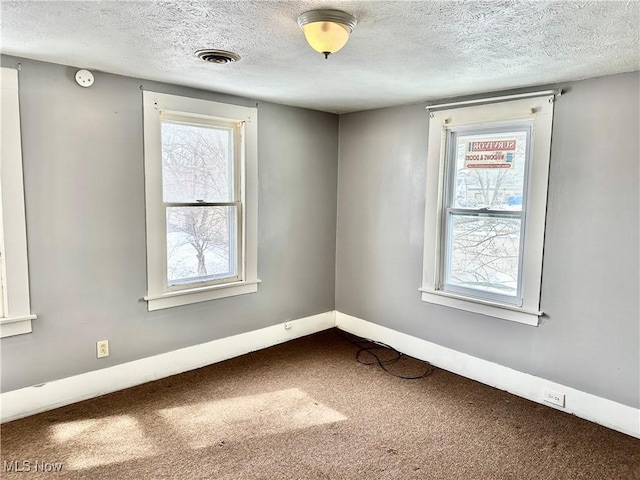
pixel 327 31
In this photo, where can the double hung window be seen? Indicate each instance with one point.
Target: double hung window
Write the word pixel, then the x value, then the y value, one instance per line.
pixel 200 175
pixel 487 174
pixel 484 217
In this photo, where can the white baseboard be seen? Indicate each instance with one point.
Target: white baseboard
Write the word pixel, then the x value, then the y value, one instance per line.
pixel 605 412
pixel 31 400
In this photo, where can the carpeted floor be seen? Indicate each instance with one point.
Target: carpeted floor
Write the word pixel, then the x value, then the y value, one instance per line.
pixel 307 410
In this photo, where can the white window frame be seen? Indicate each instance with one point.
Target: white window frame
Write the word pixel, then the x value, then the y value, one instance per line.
pixel 15 310
pixel 450 208
pixel 539 111
pixel 156 107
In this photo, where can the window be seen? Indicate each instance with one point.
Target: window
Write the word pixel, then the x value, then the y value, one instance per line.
pixel 487 173
pixel 15 313
pixel 201 199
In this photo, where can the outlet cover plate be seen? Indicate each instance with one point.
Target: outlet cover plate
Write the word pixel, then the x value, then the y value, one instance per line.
pixel 555 398
pixel 102 348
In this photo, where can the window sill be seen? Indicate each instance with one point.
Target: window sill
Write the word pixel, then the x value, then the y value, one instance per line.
pixel 10 326
pixel 196 295
pixel 491 309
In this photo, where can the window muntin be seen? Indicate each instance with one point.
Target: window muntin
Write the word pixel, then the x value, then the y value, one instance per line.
pixel 484 211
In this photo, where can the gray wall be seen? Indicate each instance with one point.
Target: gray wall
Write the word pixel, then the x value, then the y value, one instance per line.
pixel 590 337
pixel 84 189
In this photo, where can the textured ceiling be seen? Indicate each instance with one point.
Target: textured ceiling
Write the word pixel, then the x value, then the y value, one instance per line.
pixel 400 51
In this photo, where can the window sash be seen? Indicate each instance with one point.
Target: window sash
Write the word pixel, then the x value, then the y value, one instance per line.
pixel 196 120
pixel 235 248
pixel 449 193
pixel 238 190
pixel 447 286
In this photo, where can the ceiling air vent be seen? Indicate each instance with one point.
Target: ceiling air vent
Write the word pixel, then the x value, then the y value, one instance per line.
pixel 217 56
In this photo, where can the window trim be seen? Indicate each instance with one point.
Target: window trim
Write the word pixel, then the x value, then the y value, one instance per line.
pixel 539 110
pixel 159 294
pixel 15 319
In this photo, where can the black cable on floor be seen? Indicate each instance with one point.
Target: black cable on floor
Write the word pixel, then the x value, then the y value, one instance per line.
pixel 368 346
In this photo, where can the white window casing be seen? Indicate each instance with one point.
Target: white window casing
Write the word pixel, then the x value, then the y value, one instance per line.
pixel 160 107
pixel 536 112
pixel 15 311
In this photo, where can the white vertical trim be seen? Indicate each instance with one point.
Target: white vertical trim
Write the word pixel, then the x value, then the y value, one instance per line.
pixel 155 220
pixel 608 413
pixel 17 315
pixel 250 194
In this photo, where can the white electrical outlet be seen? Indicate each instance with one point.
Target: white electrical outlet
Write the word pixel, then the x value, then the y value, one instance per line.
pixel 288 325
pixel 553 397
pixel 102 348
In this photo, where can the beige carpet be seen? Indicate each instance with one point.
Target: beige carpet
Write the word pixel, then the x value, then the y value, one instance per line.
pixel 307 410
